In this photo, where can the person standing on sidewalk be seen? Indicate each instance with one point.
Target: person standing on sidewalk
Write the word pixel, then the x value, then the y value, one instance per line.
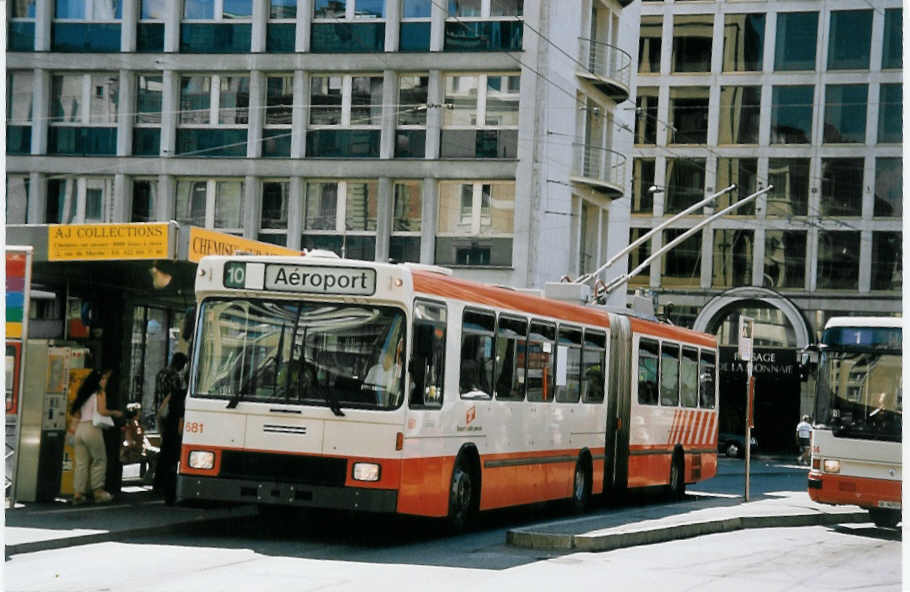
pixel 170 418
pixel 91 457
pixel 804 437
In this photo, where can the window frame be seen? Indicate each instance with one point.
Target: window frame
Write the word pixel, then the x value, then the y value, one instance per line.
pixel 86 97
pixel 350 14
pixel 442 323
pixel 77 199
pixel 702 354
pixel 347 107
pixel 214 108
pixel 655 343
pixel 520 340
pixel 484 334
pixel 217 14
pixel 548 388
pixel 480 112
pixel 211 198
pixel 570 337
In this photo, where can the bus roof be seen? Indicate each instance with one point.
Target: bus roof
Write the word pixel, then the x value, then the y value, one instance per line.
pixel 864 322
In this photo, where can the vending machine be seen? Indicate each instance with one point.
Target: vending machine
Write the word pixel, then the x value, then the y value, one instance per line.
pixel 42 432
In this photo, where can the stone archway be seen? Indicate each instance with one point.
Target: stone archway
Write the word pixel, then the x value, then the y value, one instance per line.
pixel 724 302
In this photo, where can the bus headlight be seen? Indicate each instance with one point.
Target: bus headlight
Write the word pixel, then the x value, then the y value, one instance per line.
pixel 202 459
pixel 832 466
pixel 366 471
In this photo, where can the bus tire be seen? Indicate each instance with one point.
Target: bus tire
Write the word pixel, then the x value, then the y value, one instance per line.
pixel 581 487
pixel 885 518
pixel 677 483
pixel 461 497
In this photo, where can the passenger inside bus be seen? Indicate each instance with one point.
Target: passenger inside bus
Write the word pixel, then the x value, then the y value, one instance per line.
pixel 473 383
pixel 384 378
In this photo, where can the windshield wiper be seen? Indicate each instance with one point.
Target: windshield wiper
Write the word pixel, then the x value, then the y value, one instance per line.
pixel 332 401
pixel 235 399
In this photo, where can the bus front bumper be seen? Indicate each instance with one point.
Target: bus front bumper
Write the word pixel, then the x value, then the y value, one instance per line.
pixel 191 488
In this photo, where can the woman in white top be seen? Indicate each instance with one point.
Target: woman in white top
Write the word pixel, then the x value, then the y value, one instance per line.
pixel 91 459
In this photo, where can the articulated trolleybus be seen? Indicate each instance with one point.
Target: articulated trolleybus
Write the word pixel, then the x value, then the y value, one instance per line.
pixel 332 383
pixel 856 442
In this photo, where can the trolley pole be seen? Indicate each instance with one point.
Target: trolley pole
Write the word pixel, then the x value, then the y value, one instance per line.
pixel 746 326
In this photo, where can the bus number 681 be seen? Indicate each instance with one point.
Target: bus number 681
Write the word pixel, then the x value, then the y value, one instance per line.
pixel 194 427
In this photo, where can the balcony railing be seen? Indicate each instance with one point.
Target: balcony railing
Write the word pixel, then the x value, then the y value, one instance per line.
pixel 602 168
pixel 611 66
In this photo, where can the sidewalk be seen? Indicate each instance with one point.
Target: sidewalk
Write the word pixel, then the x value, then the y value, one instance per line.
pixel 135 512
pixel 699 514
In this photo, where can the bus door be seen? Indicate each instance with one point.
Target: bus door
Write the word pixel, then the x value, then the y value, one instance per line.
pixel 618 404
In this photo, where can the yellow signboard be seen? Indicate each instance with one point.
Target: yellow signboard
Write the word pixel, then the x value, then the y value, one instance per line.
pixel 208 242
pixel 102 242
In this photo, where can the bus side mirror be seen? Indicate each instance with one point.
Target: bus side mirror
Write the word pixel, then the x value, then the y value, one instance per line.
pixel 423 340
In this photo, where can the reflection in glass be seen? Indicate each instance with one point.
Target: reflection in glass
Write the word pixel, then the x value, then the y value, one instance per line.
pixel 19 97
pixel 642 181
pixel 692 37
pixel 360 205
pixel 682 264
pixel 90 10
pixel 771 328
pixel 744 40
pixel 191 202
pixel 887 253
pixel 195 99
pixel 842 187
pixel 638 255
pixel 740 108
pixel 688 115
pixel 148 98
pixel 646 115
pixel 199 9
pixel 791 114
pixel 282 9
pixel 407 207
pixel 849 39
pixel 274 204
pixel 796 40
pixel 461 101
pixel 743 172
pixel 228 204
pixel 838 260
pixel 325 100
pixel 152 9
pixel 329 8
pixel 279 100
pixel 412 100
pixel 321 205
pixel 790 178
pixel 733 252
pixel 649 45
pixel 366 100
pixel 890 114
pixel 416 8
pixel 685 183
pixel 893 47
pixel 845 113
pixel 785 259
pixel 889 182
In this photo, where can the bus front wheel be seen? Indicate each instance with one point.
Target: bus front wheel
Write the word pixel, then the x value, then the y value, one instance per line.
pixel 885 518
pixel 581 487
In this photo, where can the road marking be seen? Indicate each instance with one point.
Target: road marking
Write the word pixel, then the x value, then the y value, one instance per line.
pixel 91 507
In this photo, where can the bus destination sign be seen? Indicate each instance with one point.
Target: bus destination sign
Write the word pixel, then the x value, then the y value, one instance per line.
pixel 320 280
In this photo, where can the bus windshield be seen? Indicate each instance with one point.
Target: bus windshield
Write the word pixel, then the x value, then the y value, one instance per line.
pixel 309 353
pixel 859 394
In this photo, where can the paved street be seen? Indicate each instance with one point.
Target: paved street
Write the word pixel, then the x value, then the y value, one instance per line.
pixel 340 552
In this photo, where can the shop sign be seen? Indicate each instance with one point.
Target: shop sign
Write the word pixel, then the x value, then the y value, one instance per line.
pixel 107 242
pixel 208 242
pixel 778 363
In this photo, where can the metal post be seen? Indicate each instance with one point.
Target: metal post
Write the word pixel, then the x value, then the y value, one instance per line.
pixel 749 404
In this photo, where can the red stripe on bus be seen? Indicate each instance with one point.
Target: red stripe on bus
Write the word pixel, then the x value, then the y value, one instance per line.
pixel 861 491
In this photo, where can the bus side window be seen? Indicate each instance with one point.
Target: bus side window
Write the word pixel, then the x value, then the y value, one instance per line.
pixel 592 367
pixel 706 378
pixel 475 376
pixel 570 347
pixel 648 351
pixel 541 356
pixel 669 374
pixel 427 366
pixel 688 377
pixel 511 334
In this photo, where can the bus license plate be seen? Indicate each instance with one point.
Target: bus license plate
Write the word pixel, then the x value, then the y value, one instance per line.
pixel 889 505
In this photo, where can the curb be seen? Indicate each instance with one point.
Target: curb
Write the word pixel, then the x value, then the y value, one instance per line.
pixel 619 540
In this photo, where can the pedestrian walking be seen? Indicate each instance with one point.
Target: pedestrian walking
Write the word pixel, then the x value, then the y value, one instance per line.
pixel 804 438
pixel 86 414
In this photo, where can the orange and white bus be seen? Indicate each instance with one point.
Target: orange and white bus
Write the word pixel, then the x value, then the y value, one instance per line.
pixel 856 439
pixel 324 382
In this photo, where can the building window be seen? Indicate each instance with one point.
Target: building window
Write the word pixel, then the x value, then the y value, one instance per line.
pixel 21 25
pixel 790 178
pixel 588 243
pixel 481 116
pixel 791 114
pixel 86 25
pixel 279 98
pixel 350 102
pixel 349 9
pixel 744 42
pixel 18 111
pixel 887 251
pixel 646 115
pixel 83 114
pixel 692 36
pixel 145 200
pixel 838 260
pixel 638 256
pixel 225 26
pixel 273 218
pixel 474 25
pixel 214 113
pixel 649 44
pixel 17 199
pixel 410 136
pixel 211 203
pixel 407 212
pixel 688 115
pixel 150 28
pixel 733 252
pixel 685 183
pixel 341 216
pixel 414 34
pixel 740 108
pixel 785 259
pixel 475 223
pixel 893 46
pixel 681 265
pixel 217 10
pixel 743 172
pixel 79 200
pixel 347 26
pixel 845 113
pixel 849 39
pixel 889 183
pixel 642 181
pixel 147 130
pixel 890 114
pixel 842 187
pixel 282 9
pixel 796 40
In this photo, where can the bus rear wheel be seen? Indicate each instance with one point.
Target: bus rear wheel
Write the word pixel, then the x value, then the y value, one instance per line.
pixel 885 518
pixel 461 497
pixel 581 488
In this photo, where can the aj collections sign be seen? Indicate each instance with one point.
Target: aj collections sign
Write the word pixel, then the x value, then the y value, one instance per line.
pixel 777 363
pixel 107 242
